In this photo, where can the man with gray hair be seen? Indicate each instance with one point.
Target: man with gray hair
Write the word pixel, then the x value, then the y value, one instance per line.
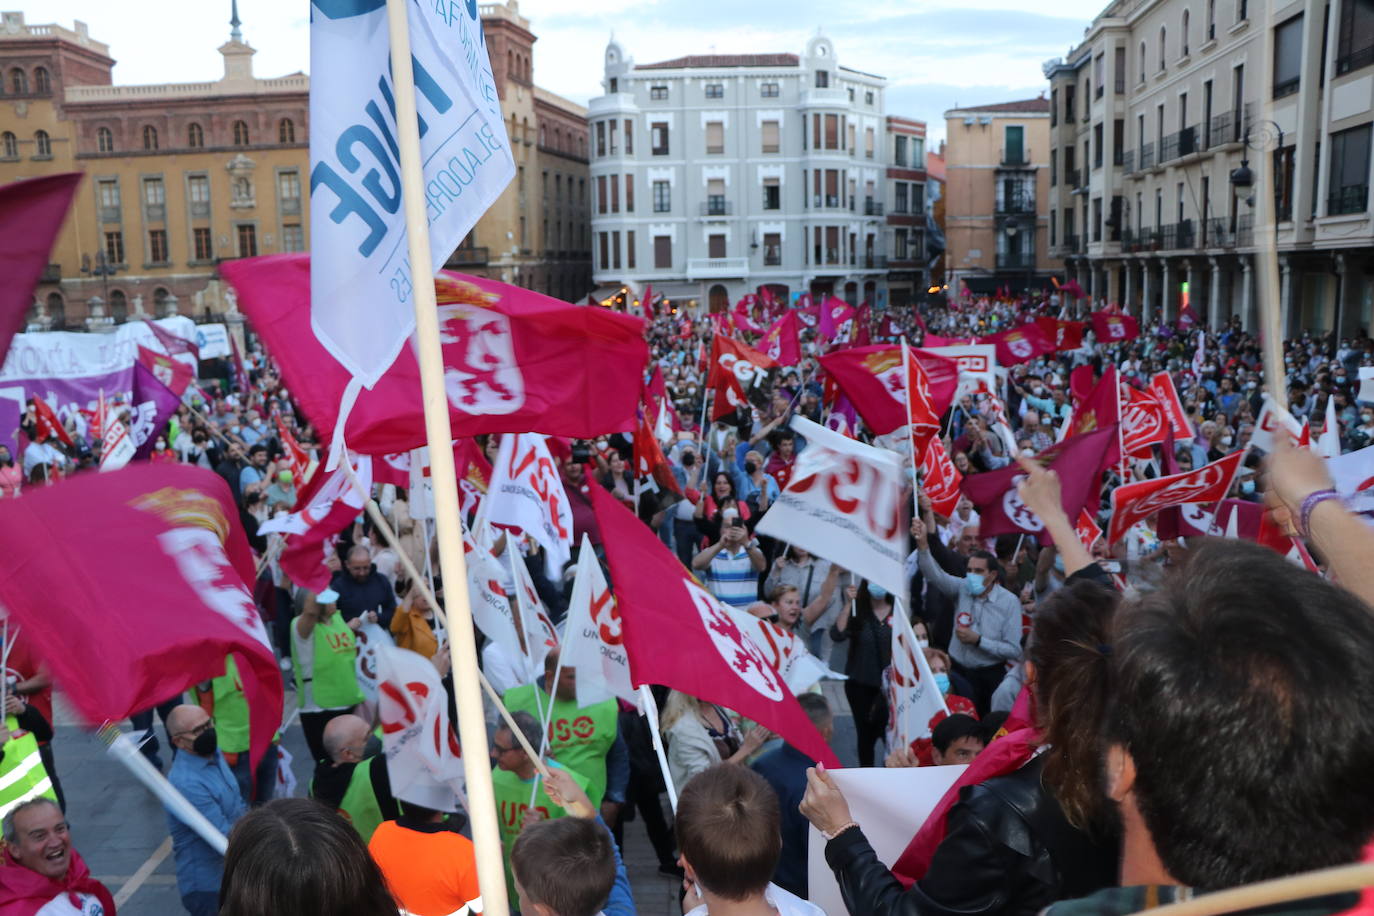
pixel 42 873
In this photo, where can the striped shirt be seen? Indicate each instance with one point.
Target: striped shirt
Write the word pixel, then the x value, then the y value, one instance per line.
pixel 731 577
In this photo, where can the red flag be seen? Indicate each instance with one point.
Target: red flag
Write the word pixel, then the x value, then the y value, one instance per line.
pixel 1138 501
pixel 647 300
pixel 729 396
pixel 1101 408
pixel 782 342
pixel 834 313
pixel 296 456
pixel 514 360
pixel 474 475
pixel 47 424
pixel 1066 335
pixel 730 357
pixel 872 379
pixel 887 328
pixel 31 215
pixel 173 373
pixel 649 460
pixel 1078 460
pixel 742 315
pixel 1081 384
pixel 171 342
pixel 1111 328
pixel 1162 387
pixel 1142 423
pixel 1186 318
pixel 325 506
pixel 1020 345
pixel 1087 529
pixel 922 413
pixel 808 311
pixel 863 326
pixel 169 535
pixel 940 479
pixel 678 635
pixel 240 374
pixel 393 468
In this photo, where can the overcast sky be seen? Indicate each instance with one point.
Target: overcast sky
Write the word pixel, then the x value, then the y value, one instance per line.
pixel 935 54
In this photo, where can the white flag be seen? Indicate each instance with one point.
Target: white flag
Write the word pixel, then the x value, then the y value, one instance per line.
pixel 913 699
pixel 360 272
pixel 423 757
pixel 843 503
pixel 1329 442
pixel 527 493
pixel 491 608
pixel 117 446
pixel 1366 392
pixel 540 635
pixel 592 640
pixel 370 638
pixel 1273 418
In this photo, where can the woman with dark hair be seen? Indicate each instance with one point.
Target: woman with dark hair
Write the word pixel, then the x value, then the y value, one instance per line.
pixel 869 634
pixel 1028 824
pixel 713 507
pixel 295 857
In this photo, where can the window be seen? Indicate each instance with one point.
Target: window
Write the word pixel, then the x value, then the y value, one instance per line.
pixel 1355 40
pixel 832 131
pixel 601 194
pixel 1163 43
pixel 715 137
pixel 42 145
pixel 629 193
pixel 42 83
pixel 629 137
pixel 240 133
pixel 114 246
pixel 157 246
pixel 195 136
pixel 9 145
pixel 772 249
pixel 292 237
pixel 1015 135
pixel 149 137
pixel 1070 94
pixel 715 90
pixel 716 204
pixel 772 194
pixel 899 149
pixel 615 250
pixel 715 245
pixel 868 97
pixel 286 131
pixel 1097 146
pixel 1183 36
pixel 1119 70
pixel 658 93
pixel 1287 57
pixel 663 197
pixel 1242 11
pixel 154 193
pixel 1054 108
pixel 1283 182
pixel 822 79
pixel 663 252
pixel 899 203
pixel 1118 140
pixel 1211 19
pixel 868 142
pixel 104 140
pixel 119 306
pixel 1099 73
pixel 205 250
pixel 615 193
pixel 851 95
pixel 769 133
pixel 601 138
pixel 19 82
pixel 1349 181
pixel 630 249
pixel 198 187
pixel 901 246
pixel 162 303
pixel 1142 62
pixel 1097 219
pixel 248 240
pixel 658 138
pixel 768 91
pixel 107 193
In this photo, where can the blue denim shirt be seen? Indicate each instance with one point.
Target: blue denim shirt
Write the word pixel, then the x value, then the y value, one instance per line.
pixel 211 788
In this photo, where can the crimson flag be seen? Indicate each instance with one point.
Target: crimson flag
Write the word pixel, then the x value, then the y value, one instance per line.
pixel 474 475
pixel 325 505
pixel 1186 318
pixel 1020 345
pixel 1101 408
pixel 940 479
pixel 1066 335
pixel 47 424
pixel 742 317
pixel 872 379
pixel 729 396
pixel 887 328
pixel 1111 328
pixel 295 456
pixel 1087 529
pixel 834 313
pixel 173 373
pixel 166 540
pixel 808 311
pixel 31 215
pixel 649 460
pixel 1143 423
pixel 863 326
pixel 1081 382
pixel 730 357
pixel 678 635
pixel 171 342
pixel 922 413
pixel 1078 460
pixel 648 301
pixel 1162 387
pixel 1136 502
pixel 514 360
pixel 782 342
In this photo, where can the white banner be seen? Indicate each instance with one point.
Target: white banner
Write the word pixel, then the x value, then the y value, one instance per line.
pixel 592 640
pixel 370 638
pixel 360 272
pixel 540 635
pixel 912 697
pixel 527 493
pixel 977 365
pixel 53 355
pixel 843 503
pixel 423 758
pixel 212 340
pixel 1271 419
pixel 1353 474
pixel 890 806
pixel 420 494
pixel 491 608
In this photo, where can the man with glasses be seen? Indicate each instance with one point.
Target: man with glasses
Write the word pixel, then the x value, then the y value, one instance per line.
pixel 200 773
pixel 364 592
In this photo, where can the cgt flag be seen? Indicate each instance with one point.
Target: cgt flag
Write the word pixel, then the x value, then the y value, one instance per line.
pixel 782 342
pixel 167 538
pixel 872 379
pixel 361 309
pixel 678 635
pixel 1136 502
pixel 940 479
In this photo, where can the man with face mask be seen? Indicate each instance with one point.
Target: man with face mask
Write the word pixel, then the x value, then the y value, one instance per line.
pixel 201 775
pixel 354 779
pixel 11 478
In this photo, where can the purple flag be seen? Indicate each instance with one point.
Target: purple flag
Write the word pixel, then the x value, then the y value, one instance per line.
pixel 152 408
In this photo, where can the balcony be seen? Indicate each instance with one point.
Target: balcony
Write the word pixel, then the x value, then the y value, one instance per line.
pixel 1245 230
pixel 1015 261
pixel 1355 60
pixel 717 206
pixel 1073 178
pixel 1216 233
pixel 1017 203
pixel 825 98
pixel 872 207
pixel 468 256
pixel 1128 161
pixel 826 202
pixel 52 273
pixel 772 256
pixel 716 268
pixel 1014 159
pixel 1227 127
pixel 875 262
pixel 1349 199
pixel 1147 156
pixel 1178 145
pixel 1178 236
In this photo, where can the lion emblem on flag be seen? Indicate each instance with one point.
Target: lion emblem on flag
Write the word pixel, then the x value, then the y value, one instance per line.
pixel 740 652
pixel 480 372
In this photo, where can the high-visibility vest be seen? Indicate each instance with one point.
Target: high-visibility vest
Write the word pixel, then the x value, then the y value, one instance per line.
pixel 334 681
pixel 359 802
pixel 231 709
pixel 22 774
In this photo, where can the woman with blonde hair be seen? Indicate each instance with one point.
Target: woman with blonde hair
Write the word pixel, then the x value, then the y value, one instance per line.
pixel 700 735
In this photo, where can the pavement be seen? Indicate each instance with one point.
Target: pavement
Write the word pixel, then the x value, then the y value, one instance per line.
pixel 121 830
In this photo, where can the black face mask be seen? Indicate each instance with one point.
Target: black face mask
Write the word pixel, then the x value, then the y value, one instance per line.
pixel 688 460
pixel 373 747
pixel 206 743
pixel 6 461
pixel 750 467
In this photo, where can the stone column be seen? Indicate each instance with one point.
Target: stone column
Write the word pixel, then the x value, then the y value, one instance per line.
pixel 1147 302
pixel 1247 294
pixel 1166 287
pixel 1128 299
pixel 1214 300
pixel 1288 320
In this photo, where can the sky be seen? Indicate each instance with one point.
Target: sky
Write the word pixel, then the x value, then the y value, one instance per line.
pixel 935 54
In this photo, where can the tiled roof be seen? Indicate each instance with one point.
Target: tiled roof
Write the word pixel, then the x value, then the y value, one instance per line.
pixel 1037 104
pixel 723 60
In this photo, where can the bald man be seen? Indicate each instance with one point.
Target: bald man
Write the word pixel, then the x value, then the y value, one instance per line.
pixel 353 778
pixel 364 592
pixel 200 773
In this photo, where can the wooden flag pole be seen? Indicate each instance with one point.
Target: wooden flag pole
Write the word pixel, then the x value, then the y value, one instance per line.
pixel 472 729
pixel 1266 235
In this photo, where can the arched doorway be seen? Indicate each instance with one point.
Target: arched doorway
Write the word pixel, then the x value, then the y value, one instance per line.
pixel 851 293
pixel 870 292
pixel 719 298
pixel 119 306
pixel 57 311
pixel 160 296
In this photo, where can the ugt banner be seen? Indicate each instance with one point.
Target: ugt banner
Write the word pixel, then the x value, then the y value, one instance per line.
pixel 361 274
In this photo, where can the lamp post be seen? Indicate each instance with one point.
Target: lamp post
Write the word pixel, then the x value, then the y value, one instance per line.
pixel 1258 136
pixel 102 269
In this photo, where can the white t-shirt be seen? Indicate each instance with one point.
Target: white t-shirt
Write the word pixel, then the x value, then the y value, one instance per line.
pixel 61 905
pixel 787 904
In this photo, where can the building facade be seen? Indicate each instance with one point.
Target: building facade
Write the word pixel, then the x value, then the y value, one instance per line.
pixel 906 210
pixel 1155 114
pixel 712 175
pixel 997 175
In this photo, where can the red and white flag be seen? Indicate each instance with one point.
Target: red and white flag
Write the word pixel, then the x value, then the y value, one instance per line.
pixel 176 374
pixel 873 380
pixel 1329 442
pixel 1087 529
pixel 540 636
pixel 116 444
pixel 678 635
pixel 940 480
pixel 1199 355
pixel 492 609
pixel 732 358
pixel 593 641
pixel 527 495
pixel 913 699
pixel 47 425
pixel 1143 423
pixel 834 313
pixel 296 456
pixel 423 758
pixel 922 416
pixel 1272 421
pixel 325 506
pixel 172 344
pixel 995 412
pixel 1020 345
pixel 1113 328
pixel 1136 502
pixel 474 476
pixel 741 316
pixel 650 464
pixel 1162 387
pixel 1065 335
pixel 782 342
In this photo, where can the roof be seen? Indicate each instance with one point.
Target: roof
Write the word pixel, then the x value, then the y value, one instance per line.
pixel 695 61
pixel 1041 104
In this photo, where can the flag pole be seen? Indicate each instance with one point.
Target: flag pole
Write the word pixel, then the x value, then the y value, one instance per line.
pixel 911 439
pixel 649 709
pixel 472 730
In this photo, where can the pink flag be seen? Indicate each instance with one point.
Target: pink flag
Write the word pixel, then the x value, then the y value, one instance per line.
pixel 1162 387
pixel 782 342
pixel 173 373
pixel 514 360
pixel 327 504
pixel 1113 328
pixel 834 313
pixel 940 479
pixel 1136 502
pixel 678 635
pixel 1020 345
pixel 31 215
pixel 168 535
pixel 742 315
pixel 170 342
pixel 872 379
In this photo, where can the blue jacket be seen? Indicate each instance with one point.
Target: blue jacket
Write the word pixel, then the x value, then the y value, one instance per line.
pixel 211 788
pixel 785 769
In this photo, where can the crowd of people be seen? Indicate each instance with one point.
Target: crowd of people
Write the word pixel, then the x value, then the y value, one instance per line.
pixel 1140 723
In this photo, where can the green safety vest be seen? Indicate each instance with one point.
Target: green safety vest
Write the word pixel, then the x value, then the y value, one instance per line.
pixel 231 709
pixel 512 798
pixel 22 774
pixel 359 802
pixel 579 737
pixel 334 683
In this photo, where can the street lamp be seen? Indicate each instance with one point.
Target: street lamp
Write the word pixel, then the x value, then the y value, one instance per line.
pixel 102 269
pixel 1258 136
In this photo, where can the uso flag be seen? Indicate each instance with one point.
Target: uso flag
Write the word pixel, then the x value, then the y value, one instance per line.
pixel 362 308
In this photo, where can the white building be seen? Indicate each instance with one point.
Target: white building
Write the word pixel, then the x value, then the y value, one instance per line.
pixel 714 175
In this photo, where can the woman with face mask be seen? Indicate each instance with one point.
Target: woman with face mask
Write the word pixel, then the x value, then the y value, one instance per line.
pixel 865 622
pixel 11 478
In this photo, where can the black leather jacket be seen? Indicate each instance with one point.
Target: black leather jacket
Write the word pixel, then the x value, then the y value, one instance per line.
pixel 1008 851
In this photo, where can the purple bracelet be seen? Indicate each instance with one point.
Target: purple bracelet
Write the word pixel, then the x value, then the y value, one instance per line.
pixel 1309 503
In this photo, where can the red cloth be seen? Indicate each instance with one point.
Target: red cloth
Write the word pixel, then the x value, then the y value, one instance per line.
pixel 782 342
pixel 1021 344
pixel 1111 328
pixel 1066 335
pixel 47 425
pixel 872 379
pixel 172 372
pixel 1138 501
pixel 31 214
pixel 24 891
